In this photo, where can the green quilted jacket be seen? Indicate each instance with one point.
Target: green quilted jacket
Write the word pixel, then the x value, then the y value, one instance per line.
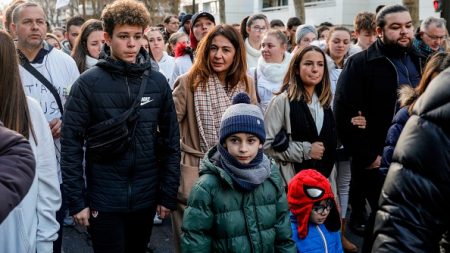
pixel 222 218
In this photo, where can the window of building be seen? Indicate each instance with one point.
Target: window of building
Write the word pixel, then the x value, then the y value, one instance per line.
pixel 274 3
pixel 210 7
pixel 309 3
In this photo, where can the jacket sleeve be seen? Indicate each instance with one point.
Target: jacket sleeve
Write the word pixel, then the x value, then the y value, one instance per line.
pixel 274 119
pixel 348 100
pixel 49 194
pixel 75 121
pixel 411 216
pixel 169 143
pixel 179 97
pixel 197 221
pixel 17 170
pixel 283 237
pixel 392 138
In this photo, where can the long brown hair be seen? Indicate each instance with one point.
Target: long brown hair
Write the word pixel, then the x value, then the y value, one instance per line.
pixel 293 84
pixel 202 69
pixel 80 49
pixel 327 50
pixel 14 111
pixel 435 65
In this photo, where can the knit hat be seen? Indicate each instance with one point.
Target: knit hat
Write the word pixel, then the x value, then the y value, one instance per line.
pixel 303 30
pixel 185 18
pixel 200 15
pixel 305 189
pixel 242 117
pixel 194 19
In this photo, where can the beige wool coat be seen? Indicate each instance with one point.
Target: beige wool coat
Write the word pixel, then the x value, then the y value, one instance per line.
pixel 277 116
pixel 191 153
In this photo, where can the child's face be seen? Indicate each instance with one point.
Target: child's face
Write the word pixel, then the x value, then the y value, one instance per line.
pixel 320 211
pixel 243 146
pixel 125 42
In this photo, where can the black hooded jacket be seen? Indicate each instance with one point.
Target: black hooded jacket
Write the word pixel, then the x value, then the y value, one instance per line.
pixel 415 201
pixel 134 181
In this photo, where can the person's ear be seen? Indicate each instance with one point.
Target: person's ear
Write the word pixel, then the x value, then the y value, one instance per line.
pixel 260 146
pixel 379 31
pixel 13 28
pixel 108 38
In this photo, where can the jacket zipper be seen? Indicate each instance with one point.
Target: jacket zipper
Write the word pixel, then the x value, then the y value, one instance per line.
pixel 256 216
pixel 396 74
pixel 131 166
pixel 246 220
pixel 128 87
pixel 323 238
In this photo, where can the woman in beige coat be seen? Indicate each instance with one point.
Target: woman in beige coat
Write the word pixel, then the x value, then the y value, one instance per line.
pixel 201 96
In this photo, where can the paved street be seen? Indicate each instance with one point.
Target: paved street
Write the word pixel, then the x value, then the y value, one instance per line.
pixel 76 239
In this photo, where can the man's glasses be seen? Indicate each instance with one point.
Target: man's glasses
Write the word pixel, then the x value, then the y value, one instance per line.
pixel 320 209
pixel 436 38
pixel 259 29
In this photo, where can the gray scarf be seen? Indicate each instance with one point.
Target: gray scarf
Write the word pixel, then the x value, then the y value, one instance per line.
pixel 246 176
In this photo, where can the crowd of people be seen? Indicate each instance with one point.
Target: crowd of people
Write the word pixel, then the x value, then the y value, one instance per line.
pixel 251 137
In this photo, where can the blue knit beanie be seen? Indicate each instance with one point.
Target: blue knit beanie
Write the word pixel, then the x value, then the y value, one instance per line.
pixel 242 117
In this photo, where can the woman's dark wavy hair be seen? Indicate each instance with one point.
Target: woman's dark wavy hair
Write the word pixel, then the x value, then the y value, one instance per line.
pixel 202 69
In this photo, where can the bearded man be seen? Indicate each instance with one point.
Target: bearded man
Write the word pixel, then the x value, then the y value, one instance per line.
pixel 369 84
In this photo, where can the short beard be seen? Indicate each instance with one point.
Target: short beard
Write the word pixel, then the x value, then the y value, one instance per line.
pixel 394 43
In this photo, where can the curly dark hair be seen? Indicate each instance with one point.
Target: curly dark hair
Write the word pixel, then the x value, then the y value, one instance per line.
pixel 124 12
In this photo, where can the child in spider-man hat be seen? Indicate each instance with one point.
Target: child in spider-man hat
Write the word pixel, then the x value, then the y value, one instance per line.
pixel 315 219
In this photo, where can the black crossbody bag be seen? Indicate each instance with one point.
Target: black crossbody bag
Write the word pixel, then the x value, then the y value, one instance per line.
pixel 110 139
pixel 26 64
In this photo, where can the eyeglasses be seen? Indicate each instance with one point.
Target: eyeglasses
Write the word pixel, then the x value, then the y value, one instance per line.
pixel 436 38
pixel 320 209
pixel 259 29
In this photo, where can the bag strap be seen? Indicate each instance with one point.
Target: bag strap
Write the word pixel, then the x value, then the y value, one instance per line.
pixel 141 89
pixel 26 64
pixel 99 127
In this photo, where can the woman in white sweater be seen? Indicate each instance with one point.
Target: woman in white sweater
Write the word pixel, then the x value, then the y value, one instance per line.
pixel 255 28
pixel 165 62
pixel 272 66
pixel 31 226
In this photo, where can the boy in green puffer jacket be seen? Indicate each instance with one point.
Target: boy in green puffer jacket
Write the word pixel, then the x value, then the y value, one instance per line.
pixel 238 204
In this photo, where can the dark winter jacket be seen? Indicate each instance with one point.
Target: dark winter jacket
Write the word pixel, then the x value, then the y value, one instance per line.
pixel 133 181
pixel 414 205
pixel 407 96
pixel 392 136
pixel 369 84
pixel 17 169
pixel 221 218
pixel 318 240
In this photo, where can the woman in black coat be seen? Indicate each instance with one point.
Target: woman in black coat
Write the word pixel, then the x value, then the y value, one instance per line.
pixel 415 201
